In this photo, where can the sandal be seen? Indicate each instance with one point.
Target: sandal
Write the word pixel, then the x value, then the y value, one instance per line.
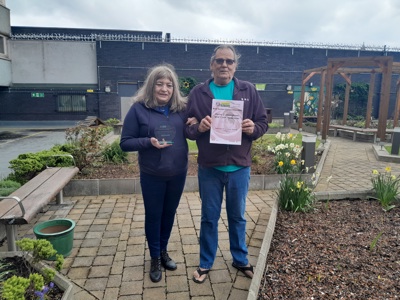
pixel 244 270
pixel 201 273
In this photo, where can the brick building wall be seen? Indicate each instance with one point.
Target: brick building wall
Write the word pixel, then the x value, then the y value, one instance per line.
pixel 127 62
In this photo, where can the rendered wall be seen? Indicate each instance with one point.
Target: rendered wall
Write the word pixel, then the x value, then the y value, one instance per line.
pixel 5 72
pixel 53 62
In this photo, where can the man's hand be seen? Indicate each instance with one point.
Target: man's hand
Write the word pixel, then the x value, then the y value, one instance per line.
pixel 205 124
pixel 248 126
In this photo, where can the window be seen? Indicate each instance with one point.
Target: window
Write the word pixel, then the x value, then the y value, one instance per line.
pixel 71 103
pixel 3 48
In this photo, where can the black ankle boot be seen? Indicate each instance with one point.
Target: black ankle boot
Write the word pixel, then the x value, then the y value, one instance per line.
pixel 155 269
pixel 167 262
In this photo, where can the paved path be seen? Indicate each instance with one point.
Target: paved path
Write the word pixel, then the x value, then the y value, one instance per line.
pixel 350 165
pixel 110 259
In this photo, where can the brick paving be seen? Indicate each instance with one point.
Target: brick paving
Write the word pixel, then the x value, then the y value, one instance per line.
pixel 110 259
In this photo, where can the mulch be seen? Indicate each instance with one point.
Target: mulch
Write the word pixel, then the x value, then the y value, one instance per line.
pixel 342 250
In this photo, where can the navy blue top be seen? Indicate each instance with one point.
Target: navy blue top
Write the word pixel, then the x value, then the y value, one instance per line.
pixel 140 125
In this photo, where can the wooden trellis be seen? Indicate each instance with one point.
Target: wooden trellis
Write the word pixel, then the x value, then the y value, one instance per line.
pixel 345 67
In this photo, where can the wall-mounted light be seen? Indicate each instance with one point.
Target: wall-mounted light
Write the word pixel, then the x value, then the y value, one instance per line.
pixel 107 88
pixel 289 87
pixel 311 84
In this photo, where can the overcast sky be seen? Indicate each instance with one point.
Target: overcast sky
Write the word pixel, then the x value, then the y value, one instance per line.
pixel 350 22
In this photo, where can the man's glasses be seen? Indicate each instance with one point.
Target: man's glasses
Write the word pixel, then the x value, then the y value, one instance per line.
pixel 220 61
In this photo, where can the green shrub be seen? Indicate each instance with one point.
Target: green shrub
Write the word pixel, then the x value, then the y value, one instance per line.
pixel 35 285
pixel 275 125
pixel 113 153
pixel 28 165
pixel 86 144
pixel 111 122
pixel 8 186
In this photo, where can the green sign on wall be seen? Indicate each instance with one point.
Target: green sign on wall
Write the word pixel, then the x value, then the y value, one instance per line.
pixel 37 95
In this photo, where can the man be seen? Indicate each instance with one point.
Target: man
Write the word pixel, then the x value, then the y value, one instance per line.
pixel 224 167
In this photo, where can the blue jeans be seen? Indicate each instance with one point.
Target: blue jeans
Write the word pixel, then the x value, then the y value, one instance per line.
pixel 212 183
pixel 161 196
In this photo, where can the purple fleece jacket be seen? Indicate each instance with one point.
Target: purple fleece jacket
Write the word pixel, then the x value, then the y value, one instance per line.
pixel 199 106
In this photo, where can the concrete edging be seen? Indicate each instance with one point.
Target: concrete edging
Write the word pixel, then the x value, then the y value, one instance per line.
pixel 262 256
pixel 96 187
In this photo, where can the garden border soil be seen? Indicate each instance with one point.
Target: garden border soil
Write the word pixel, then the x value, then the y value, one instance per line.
pixel 347 249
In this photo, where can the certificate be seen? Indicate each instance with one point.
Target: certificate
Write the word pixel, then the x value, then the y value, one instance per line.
pixel 226 125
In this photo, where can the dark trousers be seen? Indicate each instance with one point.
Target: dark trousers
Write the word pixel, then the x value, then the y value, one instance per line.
pixel 161 196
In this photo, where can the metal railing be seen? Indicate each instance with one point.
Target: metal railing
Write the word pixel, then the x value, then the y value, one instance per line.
pixel 156 38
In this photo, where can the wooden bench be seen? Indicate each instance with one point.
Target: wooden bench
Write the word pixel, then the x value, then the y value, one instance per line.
pixel 25 203
pixel 355 130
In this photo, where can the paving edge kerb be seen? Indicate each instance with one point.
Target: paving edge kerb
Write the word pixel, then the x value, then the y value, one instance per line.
pixel 262 256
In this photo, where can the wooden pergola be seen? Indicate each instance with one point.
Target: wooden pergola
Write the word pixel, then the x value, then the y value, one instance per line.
pixel 345 67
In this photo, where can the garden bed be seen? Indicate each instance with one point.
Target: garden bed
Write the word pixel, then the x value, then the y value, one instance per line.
pixel 62 289
pixel 343 250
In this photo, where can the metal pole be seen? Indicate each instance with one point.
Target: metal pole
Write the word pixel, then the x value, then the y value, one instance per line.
pixel 291 116
pixel 308 153
pixel 395 141
pixel 286 121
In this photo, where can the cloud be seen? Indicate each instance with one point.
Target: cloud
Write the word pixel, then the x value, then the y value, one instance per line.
pixel 371 22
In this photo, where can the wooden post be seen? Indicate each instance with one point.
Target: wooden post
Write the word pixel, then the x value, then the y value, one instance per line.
pixel 370 99
pixel 397 107
pixel 346 101
pixel 386 66
pixel 301 112
pixel 328 99
pixel 321 101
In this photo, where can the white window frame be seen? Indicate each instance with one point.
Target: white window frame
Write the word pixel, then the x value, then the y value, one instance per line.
pixel 3 43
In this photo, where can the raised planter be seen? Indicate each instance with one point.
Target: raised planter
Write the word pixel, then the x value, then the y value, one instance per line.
pixel 62 282
pixel 96 187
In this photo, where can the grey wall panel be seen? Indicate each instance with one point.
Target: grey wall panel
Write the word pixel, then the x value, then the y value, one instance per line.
pixel 51 62
pixel 5 27
pixel 5 72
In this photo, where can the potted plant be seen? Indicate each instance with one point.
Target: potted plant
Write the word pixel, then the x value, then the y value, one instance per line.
pixel 25 276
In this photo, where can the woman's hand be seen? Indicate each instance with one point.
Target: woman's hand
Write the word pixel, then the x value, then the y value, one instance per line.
pixel 159 144
pixel 191 121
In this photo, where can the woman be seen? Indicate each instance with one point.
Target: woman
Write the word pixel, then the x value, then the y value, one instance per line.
pixel 154 126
